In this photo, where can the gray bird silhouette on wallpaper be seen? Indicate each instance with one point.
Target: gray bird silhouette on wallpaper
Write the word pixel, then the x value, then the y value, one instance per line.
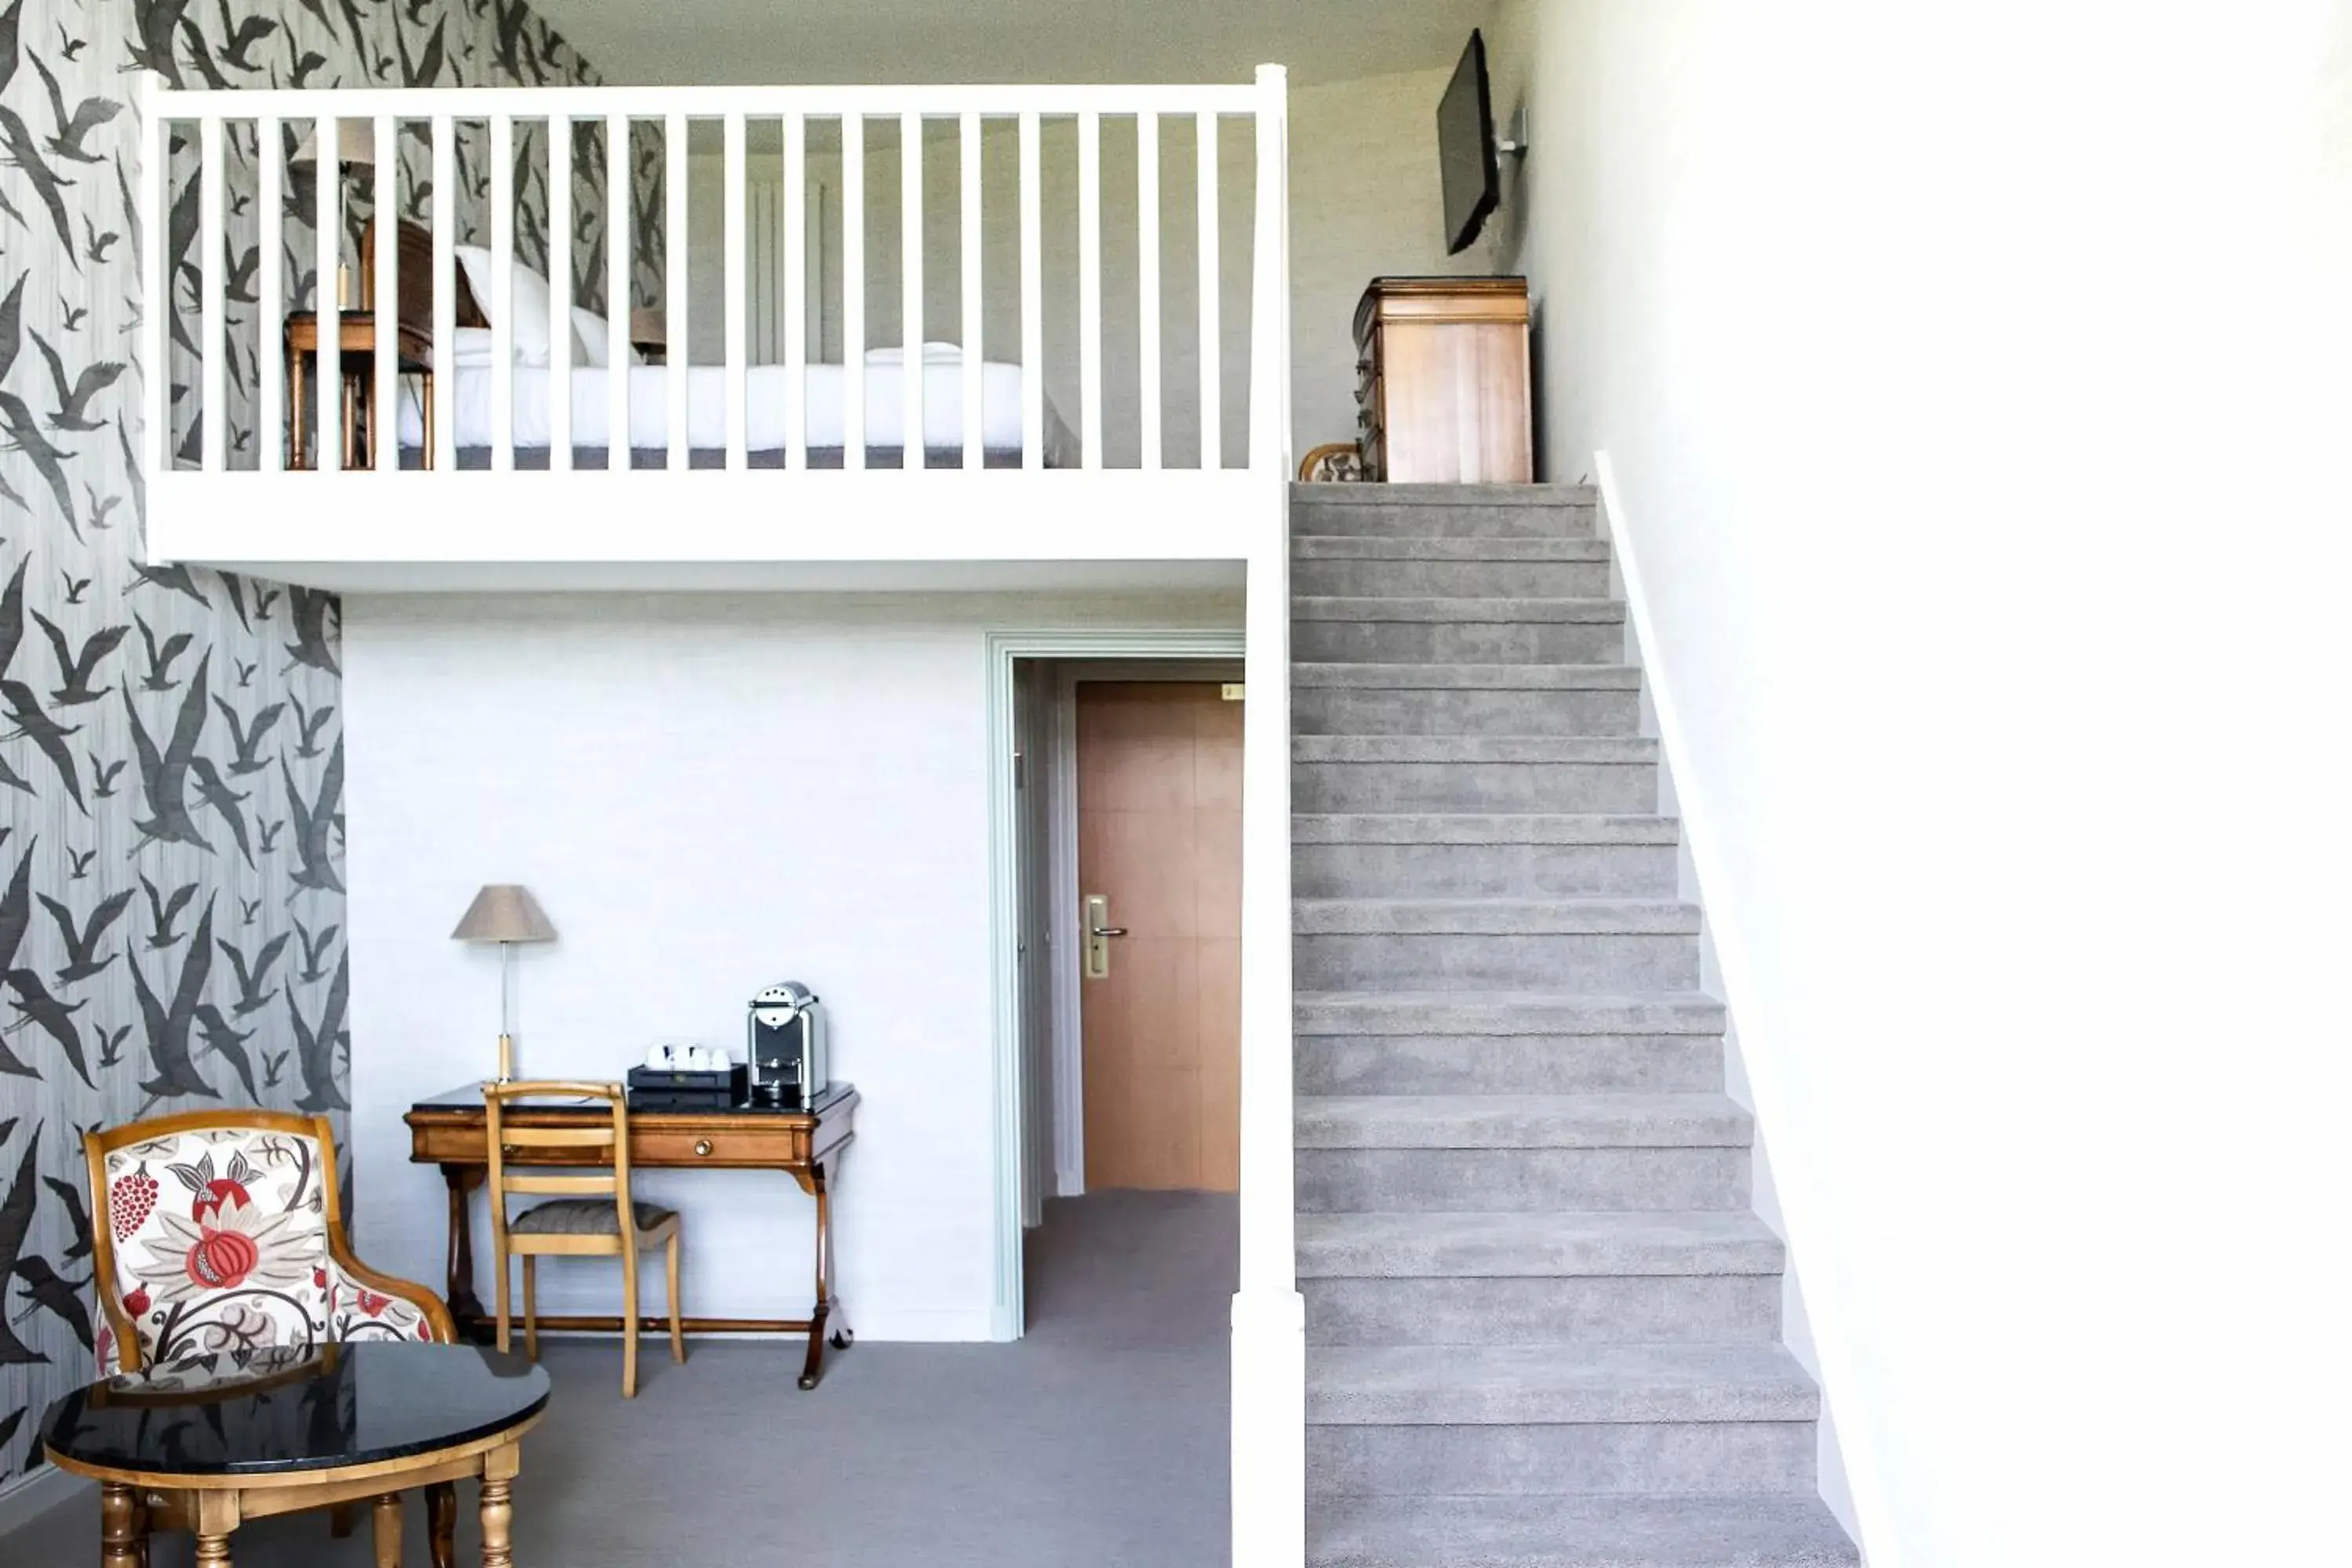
pixel 57 1295
pixel 315 1049
pixel 76 587
pixel 237 39
pixel 163 914
pixel 226 804
pixel 16 907
pixel 74 126
pixel 18 149
pixel 175 578
pixel 313 645
pixel 74 395
pixel 19 432
pixel 31 723
pixel 70 1196
pixel 81 942
pixel 314 825
pixel 164 774
pixel 221 1040
pixel 311 725
pixel 80 859
pixel 36 1008
pixel 304 63
pixel 168 1047
pixel 247 738
pixel 12 614
pixel 15 1225
pixel 314 950
pixel 102 775
pixel 160 658
pixel 77 670
pixel 251 978
pixel 157 46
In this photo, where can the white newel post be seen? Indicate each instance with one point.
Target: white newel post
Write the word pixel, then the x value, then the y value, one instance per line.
pixel 1269 1355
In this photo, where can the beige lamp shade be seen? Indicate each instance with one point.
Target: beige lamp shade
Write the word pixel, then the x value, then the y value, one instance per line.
pixel 354 143
pixel 505 911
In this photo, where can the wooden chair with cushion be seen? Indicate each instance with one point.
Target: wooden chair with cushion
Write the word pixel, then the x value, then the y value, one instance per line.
pixel 220 1234
pixel 593 1216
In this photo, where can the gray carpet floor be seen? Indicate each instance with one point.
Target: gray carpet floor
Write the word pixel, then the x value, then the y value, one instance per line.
pixel 1101 1438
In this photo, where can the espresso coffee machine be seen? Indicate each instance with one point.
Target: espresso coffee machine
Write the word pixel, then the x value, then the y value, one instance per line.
pixel 787 1046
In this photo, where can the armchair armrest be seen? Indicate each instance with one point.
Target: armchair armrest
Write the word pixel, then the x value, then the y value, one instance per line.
pixel 363 1304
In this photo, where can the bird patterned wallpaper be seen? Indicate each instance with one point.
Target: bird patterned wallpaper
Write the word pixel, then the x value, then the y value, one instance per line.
pixel 172 761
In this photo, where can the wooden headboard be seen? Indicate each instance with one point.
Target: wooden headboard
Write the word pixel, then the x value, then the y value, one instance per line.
pixel 414 260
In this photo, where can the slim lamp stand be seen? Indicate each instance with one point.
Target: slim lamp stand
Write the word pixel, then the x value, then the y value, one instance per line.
pixel 506 1012
pixel 505 913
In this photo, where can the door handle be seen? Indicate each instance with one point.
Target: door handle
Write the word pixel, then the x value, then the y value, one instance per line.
pixel 1100 930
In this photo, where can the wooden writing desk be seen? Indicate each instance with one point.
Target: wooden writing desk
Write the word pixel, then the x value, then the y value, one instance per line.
pixel 452 1132
pixel 356 340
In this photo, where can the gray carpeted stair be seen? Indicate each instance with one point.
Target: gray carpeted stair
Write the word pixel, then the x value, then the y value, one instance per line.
pixel 1543 1321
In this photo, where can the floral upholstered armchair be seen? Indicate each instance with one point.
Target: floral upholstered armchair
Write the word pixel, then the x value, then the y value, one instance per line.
pixel 220 1234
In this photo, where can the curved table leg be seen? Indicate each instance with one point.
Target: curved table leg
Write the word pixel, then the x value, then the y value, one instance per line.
pixel 827 1318
pixel 464 1305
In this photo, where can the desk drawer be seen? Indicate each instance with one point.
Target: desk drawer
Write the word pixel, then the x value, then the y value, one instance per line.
pixel 685 1148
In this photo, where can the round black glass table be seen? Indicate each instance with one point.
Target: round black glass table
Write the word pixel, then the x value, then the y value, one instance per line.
pixel 205 1444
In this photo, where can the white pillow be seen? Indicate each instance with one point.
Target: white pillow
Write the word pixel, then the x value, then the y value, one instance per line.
pixel 593 332
pixel 532 303
pixel 472 349
pixel 933 353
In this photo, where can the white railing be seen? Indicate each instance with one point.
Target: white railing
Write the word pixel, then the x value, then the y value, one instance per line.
pixel 1042 235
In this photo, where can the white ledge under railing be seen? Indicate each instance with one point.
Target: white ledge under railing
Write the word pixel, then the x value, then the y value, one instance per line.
pixel 669 281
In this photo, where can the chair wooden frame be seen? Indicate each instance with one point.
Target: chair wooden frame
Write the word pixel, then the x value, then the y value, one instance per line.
pixel 598 1145
pixel 173 1511
pixel 97 1146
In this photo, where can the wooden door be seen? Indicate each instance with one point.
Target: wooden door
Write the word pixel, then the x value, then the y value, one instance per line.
pixel 1159 837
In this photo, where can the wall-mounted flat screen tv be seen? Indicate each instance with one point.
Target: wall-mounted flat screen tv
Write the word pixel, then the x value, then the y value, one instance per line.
pixel 1471 171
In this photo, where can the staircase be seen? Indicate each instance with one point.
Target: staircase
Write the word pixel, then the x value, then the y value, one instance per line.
pixel 1543 1325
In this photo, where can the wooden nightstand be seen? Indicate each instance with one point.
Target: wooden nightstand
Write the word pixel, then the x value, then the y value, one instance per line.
pixel 357 345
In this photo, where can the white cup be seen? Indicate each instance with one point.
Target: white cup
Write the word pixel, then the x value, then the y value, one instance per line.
pixel 658 1057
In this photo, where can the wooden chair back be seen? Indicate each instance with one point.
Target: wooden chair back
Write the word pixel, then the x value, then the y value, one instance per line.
pixel 605 1146
pixel 413 259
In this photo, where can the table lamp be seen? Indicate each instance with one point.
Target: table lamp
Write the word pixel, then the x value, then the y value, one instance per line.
pixel 354 149
pixel 505 913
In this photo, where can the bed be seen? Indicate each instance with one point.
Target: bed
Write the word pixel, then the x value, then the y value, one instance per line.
pixel 767 406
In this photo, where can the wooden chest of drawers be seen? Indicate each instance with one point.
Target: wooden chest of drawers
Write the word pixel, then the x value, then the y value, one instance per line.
pixel 1442 380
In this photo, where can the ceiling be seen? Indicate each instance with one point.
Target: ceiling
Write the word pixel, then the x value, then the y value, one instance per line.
pixel 733 41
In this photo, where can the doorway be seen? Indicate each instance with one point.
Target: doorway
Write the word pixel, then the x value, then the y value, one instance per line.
pixel 1123 890
pixel 1160 908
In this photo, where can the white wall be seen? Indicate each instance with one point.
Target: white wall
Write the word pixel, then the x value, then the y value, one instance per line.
pixel 707 794
pixel 1974 385
pixel 1364 202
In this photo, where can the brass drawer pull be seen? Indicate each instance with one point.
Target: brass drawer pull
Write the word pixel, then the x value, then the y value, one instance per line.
pixel 702 1147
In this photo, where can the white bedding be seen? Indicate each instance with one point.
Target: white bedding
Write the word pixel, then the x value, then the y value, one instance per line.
pixel 766 409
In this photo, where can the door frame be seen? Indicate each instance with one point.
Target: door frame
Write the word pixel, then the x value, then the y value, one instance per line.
pixel 1002 649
